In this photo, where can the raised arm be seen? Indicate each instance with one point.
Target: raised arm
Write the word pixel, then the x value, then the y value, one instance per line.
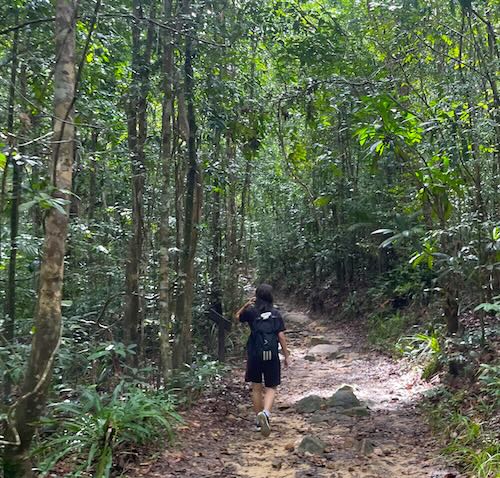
pixel 243 308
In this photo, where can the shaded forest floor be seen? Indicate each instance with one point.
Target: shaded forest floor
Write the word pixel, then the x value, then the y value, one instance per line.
pixel 218 438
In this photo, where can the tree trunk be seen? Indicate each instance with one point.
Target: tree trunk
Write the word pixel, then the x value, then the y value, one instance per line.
pixel 245 200
pixel 216 231
pixel 27 410
pixel 231 288
pixel 137 133
pixel 184 302
pixel 166 162
pixel 10 295
pixel 93 192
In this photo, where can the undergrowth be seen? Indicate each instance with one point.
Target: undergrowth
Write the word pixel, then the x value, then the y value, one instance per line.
pixel 385 330
pixel 98 427
pixel 95 432
pixel 467 424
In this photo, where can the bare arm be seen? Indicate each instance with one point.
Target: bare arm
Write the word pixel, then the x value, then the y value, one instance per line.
pixel 284 346
pixel 243 308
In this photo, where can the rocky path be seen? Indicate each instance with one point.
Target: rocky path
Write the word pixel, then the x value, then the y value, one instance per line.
pixel 369 429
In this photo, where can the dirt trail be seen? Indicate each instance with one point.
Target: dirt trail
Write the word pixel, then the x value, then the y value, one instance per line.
pixel 218 439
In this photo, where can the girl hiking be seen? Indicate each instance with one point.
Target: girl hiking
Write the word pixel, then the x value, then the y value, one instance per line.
pixel 267 330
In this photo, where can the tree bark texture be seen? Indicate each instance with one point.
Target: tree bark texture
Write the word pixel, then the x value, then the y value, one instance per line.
pixel 137 133
pixel 166 163
pixel 10 296
pixel 232 278
pixel 27 410
pixel 185 289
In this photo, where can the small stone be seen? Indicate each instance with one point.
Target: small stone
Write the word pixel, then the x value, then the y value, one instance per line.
pixel 313 473
pixel 289 447
pixel 276 464
pixel 309 404
pixel 312 445
pixel 365 446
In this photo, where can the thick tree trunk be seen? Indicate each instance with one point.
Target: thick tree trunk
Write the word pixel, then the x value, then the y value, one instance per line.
pixel 166 162
pixel 27 410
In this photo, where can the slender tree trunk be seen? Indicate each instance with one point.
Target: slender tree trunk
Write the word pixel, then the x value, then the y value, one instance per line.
pixel 231 230
pixel 137 133
pixel 166 162
pixel 184 302
pixel 93 192
pixel 26 412
pixel 245 199
pixel 216 232
pixel 10 296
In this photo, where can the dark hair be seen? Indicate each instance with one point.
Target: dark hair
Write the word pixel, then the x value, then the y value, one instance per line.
pixel 264 298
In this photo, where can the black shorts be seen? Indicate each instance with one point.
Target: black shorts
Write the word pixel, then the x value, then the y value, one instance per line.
pixel 270 369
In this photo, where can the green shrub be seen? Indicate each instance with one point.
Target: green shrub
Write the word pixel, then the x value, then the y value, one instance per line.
pixel 96 427
pixel 489 376
pixel 423 348
pixel 470 440
pixel 194 379
pixel 384 331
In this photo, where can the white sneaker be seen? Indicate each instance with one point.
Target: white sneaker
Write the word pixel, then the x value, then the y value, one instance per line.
pixel 257 425
pixel 265 426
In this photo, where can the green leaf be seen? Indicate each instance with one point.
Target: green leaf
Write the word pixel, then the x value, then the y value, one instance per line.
pixel 322 201
pixel 487 307
pixel 383 231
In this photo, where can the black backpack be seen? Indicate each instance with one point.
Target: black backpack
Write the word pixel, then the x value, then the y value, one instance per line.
pixel 265 338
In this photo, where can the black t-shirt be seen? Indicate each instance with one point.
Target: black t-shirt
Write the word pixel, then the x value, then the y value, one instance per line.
pixel 251 313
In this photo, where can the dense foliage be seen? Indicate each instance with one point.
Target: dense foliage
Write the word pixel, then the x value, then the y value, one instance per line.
pixel 348 152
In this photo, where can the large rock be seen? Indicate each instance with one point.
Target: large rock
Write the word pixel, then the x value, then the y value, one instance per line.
pixel 330 351
pixel 309 404
pixel 343 398
pixel 296 317
pixel 322 416
pixel 318 340
pixel 356 412
pixel 312 444
pixel 332 416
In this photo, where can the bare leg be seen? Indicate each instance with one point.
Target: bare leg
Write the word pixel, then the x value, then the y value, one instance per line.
pixel 269 396
pixel 258 404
